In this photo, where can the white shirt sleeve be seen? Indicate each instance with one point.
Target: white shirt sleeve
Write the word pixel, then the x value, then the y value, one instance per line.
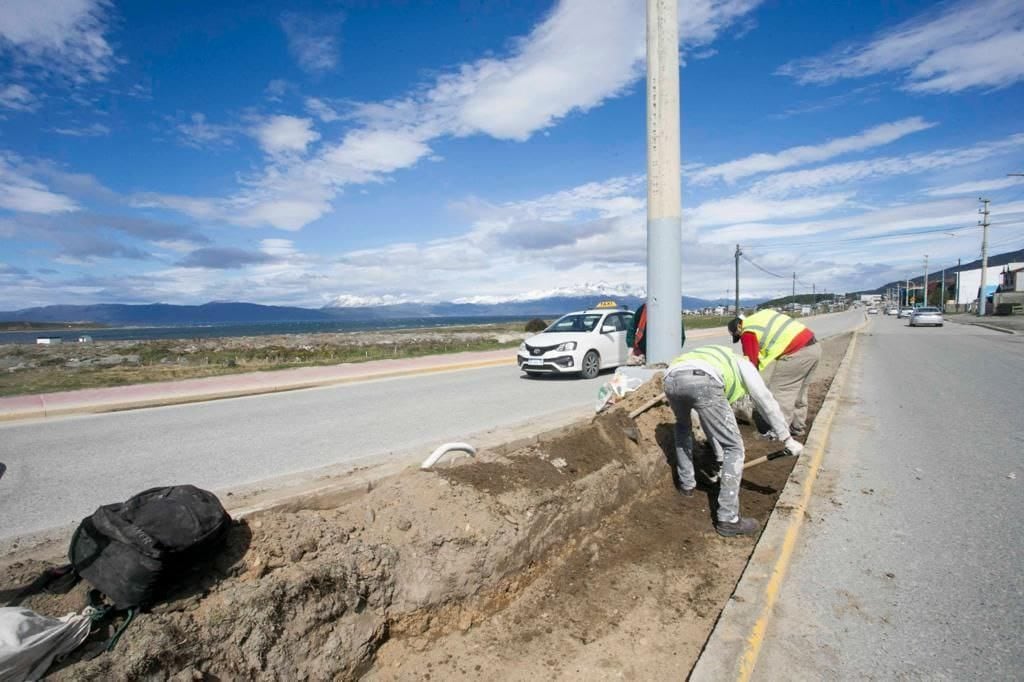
pixel 763 399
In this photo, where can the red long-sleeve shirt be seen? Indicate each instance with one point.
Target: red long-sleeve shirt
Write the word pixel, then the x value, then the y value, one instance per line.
pixel 752 349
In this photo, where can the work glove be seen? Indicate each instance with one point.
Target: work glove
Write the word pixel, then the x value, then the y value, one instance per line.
pixel 793 447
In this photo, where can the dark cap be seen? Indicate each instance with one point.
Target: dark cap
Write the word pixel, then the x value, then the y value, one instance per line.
pixel 734 328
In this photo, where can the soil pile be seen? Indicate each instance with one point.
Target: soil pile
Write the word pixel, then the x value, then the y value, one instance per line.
pixel 569 556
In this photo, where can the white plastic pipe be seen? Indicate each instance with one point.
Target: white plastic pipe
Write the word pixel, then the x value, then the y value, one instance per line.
pixel 443 449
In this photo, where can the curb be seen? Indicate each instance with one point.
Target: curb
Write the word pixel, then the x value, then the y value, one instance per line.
pixel 41 411
pixel 986 326
pixel 734 644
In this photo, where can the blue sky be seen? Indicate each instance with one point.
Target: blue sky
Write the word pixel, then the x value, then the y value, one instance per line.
pixel 358 152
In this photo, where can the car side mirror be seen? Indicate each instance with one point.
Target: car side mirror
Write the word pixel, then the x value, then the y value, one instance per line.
pixel 608 329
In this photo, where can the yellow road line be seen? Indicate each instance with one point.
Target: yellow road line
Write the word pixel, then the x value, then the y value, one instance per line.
pixel 771 592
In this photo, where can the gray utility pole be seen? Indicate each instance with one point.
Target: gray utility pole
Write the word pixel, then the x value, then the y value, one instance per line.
pixel 664 200
pixel 926 279
pixel 794 288
pixel 738 254
pixel 984 255
pixel 942 296
pixel 956 293
pixel 908 292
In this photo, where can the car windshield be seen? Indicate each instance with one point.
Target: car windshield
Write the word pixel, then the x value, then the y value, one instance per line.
pixel 926 311
pixel 575 323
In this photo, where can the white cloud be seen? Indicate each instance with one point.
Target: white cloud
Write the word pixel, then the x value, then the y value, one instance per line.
pixel 285 134
pixel 783 184
pixel 747 207
pixel 91 130
pixel 278 247
pixel 322 110
pixel 797 156
pixel 200 133
pixel 276 89
pixel 975 186
pixel 581 54
pixel 313 40
pixel 963 45
pixel 65 37
pixel 19 192
pixel 952 213
pixel 18 98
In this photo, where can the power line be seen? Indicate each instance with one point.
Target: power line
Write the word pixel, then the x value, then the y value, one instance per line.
pixel 765 271
pixel 894 235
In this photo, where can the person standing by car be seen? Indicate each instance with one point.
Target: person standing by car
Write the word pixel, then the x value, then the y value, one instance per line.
pixel 708 380
pixel 767 337
pixel 636 337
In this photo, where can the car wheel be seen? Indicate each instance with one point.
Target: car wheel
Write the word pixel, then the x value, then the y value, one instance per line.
pixel 591 365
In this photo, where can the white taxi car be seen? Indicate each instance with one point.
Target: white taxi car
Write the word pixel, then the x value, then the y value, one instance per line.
pixel 584 343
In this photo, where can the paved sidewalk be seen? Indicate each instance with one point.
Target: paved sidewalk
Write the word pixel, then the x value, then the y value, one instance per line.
pixel 908 564
pixel 1013 324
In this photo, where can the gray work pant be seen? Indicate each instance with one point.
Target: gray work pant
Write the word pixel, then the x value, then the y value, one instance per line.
pixel 788 379
pixel 699 392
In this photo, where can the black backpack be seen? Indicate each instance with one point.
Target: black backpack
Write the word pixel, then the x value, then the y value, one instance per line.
pixel 128 550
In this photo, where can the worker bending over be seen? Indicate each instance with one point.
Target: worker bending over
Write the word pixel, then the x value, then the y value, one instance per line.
pixel 768 336
pixel 708 380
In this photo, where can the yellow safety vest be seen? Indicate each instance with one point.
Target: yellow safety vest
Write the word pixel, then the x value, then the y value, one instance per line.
pixel 725 361
pixel 774 332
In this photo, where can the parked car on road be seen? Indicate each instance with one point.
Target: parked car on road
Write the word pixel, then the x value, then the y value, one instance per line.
pixel 892 311
pixel 583 342
pixel 905 313
pixel 922 317
pixel 872 311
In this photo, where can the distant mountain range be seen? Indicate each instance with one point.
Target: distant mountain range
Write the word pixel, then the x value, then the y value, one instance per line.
pixel 162 314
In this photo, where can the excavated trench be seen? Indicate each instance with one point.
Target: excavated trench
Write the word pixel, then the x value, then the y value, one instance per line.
pixel 569 556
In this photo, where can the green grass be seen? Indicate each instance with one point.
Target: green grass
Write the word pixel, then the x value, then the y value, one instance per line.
pixel 706 321
pixel 160 361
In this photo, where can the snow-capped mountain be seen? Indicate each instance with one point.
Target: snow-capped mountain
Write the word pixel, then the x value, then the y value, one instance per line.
pixel 586 289
pixel 353 301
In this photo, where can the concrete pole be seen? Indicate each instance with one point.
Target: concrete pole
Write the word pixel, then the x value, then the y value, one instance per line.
pixel 984 257
pixel 925 296
pixel 908 292
pixel 942 294
pixel 664 200
pixel 738 254
pixel 956 293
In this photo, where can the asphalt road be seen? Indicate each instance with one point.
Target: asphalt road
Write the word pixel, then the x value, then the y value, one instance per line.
pixel 910 564
pixel 60 470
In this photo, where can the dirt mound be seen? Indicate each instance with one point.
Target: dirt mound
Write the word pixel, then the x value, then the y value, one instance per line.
pixel 312 594
pixel 570 556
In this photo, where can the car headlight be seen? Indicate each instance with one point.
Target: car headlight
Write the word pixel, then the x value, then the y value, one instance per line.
pixel 522 346
pixel 568 345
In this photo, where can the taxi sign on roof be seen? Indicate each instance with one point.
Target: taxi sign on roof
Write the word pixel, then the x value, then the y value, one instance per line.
pixel 607 304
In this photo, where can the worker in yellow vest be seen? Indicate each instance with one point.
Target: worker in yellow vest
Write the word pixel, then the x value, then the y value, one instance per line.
pixel 708 380
pixel 789 351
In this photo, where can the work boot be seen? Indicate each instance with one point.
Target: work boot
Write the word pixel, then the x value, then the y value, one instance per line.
pixel 685 492
pixel 743 525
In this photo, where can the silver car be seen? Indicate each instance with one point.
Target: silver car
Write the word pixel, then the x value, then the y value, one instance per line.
pixel 926 316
